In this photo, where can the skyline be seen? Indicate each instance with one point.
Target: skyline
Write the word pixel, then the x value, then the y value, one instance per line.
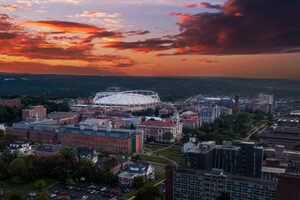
pixel 253 39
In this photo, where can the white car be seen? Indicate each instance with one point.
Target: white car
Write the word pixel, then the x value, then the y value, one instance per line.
pixel 84 197
pixel 103 189
pixel 32 194
pixel 52 195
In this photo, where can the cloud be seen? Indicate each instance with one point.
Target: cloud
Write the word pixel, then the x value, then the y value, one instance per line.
pixel 66 26
pixel 19 44
pixel 211 6
pixel 9 7
pixel 96 14
pixel 205 61
pixel 139 32
pixel 39 68
pixel 155 44
pixel 182 16
pixel 190 5
pixel 241 27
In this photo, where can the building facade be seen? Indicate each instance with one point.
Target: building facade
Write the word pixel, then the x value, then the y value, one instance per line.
pixel 156 129
pixel 103 139
pixel 209 114
pixel 245 160
pixel 34 112
pixel 190 184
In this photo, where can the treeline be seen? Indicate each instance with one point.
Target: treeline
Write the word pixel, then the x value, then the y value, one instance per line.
pixel 230 127
pixel 169 88
pixel 8 115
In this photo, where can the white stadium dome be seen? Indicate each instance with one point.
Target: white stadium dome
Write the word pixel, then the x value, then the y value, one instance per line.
pixel 131 100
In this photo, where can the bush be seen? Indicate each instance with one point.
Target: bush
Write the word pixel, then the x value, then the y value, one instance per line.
pixel 40 184
pixel 16 180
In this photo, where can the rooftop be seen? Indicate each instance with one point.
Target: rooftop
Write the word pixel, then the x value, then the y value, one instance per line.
pixel 157 123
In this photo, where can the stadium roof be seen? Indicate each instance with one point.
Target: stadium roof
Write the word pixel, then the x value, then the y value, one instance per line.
pixel 136 97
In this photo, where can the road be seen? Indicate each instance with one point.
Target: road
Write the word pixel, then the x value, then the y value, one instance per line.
pixel 252 132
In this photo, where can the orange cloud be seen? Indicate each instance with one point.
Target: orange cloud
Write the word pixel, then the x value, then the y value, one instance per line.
pixel 66 26
pixel 9 7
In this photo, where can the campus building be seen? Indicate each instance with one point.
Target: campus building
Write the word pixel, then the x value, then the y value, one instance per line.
pixel 34 112
pixel 156 129
pixel 209 114
pixel 102 139
pixel 189 184
pixel 245 160
pixel 39 131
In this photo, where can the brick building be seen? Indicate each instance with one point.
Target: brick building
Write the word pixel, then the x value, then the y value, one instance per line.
pixel 43 131
pixel 34 111
pixel 102 139
pixel 11 102
pixel 156 129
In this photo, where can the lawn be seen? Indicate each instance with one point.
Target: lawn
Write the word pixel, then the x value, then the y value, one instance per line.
pixel 22 189
pixel 153 147
pixel 172 154
pixel 154 159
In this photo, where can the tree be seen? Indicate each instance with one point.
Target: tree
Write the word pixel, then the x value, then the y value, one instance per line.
pixel 168 136
pixel 131 126
pixel 40 184
pixel 138 181
pixel 70 181
pixel 18 168
pixel 68 153
pixel 148 193
pixel 43 195
pixel 85 162
pixel 14 197
pixel 2 134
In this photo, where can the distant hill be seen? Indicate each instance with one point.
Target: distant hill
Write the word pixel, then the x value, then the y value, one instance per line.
pixel 169 88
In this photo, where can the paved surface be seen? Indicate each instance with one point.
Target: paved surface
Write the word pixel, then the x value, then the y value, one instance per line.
pixel 60 189
pixel 252 132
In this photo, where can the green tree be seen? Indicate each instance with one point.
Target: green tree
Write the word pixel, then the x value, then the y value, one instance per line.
pixel 138 181
pixel 85 162
pixel 2 134
pixel 43 195
pixel 70 181
pixel 148 193
pixel 68 153
pixel 167 136
pixel 40 184
pixel 18 168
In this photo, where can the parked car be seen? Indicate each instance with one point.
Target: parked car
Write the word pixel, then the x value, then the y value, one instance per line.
pixel 84 197
pixel 53 195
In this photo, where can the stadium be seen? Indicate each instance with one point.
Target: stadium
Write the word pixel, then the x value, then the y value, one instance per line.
pixel 133 100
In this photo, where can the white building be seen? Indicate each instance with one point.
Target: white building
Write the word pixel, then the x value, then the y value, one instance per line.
pixel 189 145
pixel 22 147
pixel 135 170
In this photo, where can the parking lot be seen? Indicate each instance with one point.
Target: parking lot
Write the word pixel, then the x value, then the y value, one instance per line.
pixel 86 191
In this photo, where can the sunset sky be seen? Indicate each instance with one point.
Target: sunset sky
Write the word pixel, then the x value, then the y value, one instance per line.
pixel 234 38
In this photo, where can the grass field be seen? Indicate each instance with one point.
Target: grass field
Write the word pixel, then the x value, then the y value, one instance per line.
pixel 152 147
pixel 172 154
pixel 154 159
pixel 22 189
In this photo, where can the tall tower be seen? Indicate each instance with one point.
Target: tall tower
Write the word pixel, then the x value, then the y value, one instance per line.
pixel 176 118
pixel 237 106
